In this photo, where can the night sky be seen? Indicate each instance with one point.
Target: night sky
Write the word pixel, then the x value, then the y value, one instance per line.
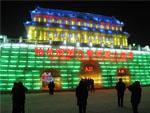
pixel 135 15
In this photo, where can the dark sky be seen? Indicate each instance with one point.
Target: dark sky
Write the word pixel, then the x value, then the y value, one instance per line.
pixel 135 15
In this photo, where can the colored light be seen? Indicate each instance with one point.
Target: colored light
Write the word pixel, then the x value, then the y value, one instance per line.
pixel 19 62
pixel 73 27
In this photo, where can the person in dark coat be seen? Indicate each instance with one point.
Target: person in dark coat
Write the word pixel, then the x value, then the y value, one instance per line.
pixel 92 86
pixel 22 97
pixel 82 95
pixel 14 98
pixel 120 87
pixel 136 90
pixel 18 95
pixel 51 87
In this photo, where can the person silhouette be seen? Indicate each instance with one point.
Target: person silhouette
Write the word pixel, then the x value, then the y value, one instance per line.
pixel 22 91
pixel 82 95
pixel 92 86
pixel 136 91
pixel 14 98
pixel 120 87
pixel 51 87
pixel 18 95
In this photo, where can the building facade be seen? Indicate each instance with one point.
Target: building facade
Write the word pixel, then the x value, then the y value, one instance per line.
pixel 75 27
pixel 67 46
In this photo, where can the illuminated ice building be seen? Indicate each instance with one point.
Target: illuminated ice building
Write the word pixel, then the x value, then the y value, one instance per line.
pixel 67 46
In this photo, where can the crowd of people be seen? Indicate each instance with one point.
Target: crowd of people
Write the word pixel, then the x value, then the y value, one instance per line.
pixel 90 84
pixel 81 92
pixel 135 90
pixel 84 86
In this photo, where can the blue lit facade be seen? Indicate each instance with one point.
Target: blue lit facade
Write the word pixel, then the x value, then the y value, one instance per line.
pixel 73 27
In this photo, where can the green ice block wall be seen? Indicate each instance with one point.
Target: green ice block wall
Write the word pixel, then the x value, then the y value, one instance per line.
pixel 139 69
pixel 19 63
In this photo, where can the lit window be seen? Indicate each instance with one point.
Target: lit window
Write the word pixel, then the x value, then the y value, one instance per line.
pixel 79 23
pixel 72 22
pixel 39 19
pixel 29 36
pixel 35 33
pixel 116 28
pixel 60 21
pixel 96 26
pixel 102 26
pixel 34 19
pixel 120 28
pixel 113 27
pixel 107 27
pixel 66 22
pixel 45 20
pixel 91 25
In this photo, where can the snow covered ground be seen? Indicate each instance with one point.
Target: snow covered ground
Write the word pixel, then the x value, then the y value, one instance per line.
pixel 103 101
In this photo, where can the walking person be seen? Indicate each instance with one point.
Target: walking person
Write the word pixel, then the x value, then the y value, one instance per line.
pixel 22 90
pixel 82 95
pixel 14 98
pixel 136 90
pixel 18 93
pixel 92 86
pixel 51 87
pixel 120 87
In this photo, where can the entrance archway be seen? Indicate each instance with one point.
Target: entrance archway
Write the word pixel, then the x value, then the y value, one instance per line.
pixel 55 75
pixel 90 70
pixel 124 74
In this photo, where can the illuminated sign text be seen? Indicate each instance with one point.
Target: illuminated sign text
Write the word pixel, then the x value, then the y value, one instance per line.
pixel 78 54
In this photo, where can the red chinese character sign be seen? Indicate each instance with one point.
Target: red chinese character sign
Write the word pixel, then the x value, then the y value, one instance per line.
pixel 79 54
pixel 39 51
pixel 124 74
pixel 49 52
pixel 89 67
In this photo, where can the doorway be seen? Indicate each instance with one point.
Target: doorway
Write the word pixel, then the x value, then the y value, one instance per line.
pixel 50 74
pixel 90 70
pixel 124 74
